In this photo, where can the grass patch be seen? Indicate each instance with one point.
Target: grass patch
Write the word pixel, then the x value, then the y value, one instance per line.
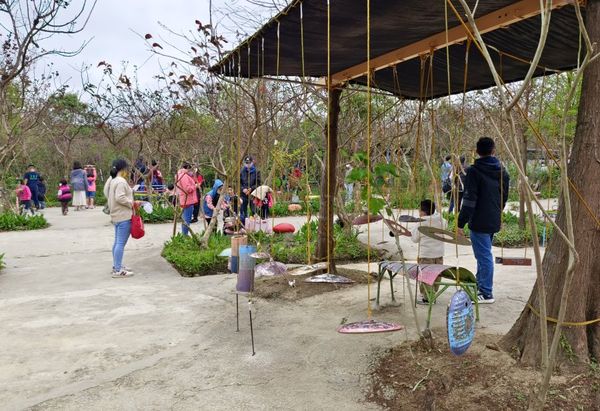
pixel 10 221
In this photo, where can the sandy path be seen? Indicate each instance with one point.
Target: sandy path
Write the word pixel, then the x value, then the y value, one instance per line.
pixel 74 338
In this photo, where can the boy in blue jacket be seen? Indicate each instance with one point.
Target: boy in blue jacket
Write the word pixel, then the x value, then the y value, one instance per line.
pixel 486 193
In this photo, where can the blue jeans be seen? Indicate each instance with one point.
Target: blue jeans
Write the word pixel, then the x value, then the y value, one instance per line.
pixel 482 248
pixel 122 231
pixel 35 195
pixel 187 218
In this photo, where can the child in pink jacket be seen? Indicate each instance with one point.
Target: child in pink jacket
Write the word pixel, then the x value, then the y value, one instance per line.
pixel 24 196
pixel 186 191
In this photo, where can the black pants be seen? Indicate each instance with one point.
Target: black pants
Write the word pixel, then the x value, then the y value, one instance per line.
pixel 244 209
pixel 65 207
pixel 197 205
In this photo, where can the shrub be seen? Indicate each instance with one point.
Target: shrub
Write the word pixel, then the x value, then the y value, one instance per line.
pixel 510 236
pixel 185 254
pixel 280 208
pixel 10 221
pixel 2 263
pixel 160 214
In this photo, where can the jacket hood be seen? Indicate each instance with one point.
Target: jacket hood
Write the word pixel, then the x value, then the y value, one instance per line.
pixel 218 184
pixel 490 166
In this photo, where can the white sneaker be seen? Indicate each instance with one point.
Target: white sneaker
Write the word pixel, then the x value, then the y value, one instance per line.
pixel 122 274
pixel 482 300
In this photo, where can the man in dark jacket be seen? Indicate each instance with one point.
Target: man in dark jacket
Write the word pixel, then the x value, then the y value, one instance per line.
pixel 249 180
pixel 486 193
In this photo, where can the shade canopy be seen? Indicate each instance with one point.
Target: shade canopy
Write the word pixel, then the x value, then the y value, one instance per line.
pixel 408 44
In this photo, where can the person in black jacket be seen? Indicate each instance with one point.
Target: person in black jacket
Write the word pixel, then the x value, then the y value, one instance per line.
pixel 249 180
pixel 486 193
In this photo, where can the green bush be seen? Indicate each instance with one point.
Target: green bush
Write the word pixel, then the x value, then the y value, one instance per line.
pixel 10 221
pixel 2 263
pixel 159 214
pixel 510 236
pixel 280 208
pixel 185 254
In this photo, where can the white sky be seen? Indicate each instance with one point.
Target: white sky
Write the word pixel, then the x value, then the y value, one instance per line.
pixel 113 27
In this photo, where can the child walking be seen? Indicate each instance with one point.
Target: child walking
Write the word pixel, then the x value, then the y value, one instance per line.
pixel 64 196
pixel 431 251
pixel 24 196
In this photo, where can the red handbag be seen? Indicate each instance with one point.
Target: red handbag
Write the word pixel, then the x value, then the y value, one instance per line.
pixel 137 225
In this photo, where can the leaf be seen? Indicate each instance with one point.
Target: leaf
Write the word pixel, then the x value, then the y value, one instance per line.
pixel 148 36
pixel 376 205
pixel 360 157
pixel 356 175
pixel 382 169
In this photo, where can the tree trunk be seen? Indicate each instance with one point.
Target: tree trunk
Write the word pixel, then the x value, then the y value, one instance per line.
pixel 584 297
pixel 325 241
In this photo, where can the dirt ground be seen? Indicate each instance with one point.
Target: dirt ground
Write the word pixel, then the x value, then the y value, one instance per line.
pixel 278 287
pixel 74 338
pixel 414 377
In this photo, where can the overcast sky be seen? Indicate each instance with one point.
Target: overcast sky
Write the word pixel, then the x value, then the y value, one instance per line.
pixel 112 30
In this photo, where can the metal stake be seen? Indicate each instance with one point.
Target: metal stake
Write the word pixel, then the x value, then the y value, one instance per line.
pixel 237 312
pixel 251 329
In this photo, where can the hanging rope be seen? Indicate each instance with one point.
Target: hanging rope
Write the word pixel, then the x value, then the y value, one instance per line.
pixel 369 131
pixel 307 194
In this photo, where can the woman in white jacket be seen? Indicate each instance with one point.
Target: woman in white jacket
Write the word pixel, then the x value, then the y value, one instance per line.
pixel 119 196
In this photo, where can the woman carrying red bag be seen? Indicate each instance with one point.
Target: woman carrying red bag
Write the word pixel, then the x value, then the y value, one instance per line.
pixel 121 205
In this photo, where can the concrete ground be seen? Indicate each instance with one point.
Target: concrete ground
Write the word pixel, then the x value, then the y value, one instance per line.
pixel 75 338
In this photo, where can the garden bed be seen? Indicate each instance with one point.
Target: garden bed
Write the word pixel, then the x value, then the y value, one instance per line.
pixel 278 287
pixel 187 257
pixel 413 377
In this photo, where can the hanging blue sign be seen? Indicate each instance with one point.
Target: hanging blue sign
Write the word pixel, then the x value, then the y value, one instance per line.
pixel 461 322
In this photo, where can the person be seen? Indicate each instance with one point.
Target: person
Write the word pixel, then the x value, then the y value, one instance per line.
pixel 171 194
pixel 431 251
pixel 121 204
pixel 139 171
pixel 199 181
pixel 186 191
pixel 79 183
pixel 349 185
pixel 158 182
pixel 64 196
pixel 31 177
pixel 209 204
pixel 263 200
pixel 91 175
pixel 249 180
pixel 41 192
pixel 233 203
pixel 486 194
pixel 445 171
pixel 24 195
pixel 457 177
